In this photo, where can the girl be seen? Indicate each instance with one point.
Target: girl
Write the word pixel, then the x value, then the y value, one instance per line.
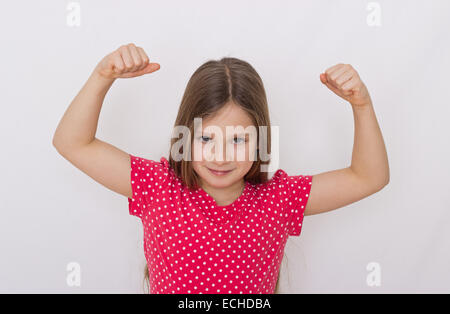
pixel 213 222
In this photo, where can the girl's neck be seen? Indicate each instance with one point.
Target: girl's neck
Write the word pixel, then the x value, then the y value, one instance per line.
pixel 227 195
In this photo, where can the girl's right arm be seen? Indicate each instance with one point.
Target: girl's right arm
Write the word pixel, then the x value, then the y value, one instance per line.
pixel 74 137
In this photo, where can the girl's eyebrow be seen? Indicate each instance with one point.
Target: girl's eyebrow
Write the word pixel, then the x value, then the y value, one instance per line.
pixel 233 133
pixel 242 134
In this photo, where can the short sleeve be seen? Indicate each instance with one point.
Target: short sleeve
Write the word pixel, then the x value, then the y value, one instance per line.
pixel 297 189
pixel 148 178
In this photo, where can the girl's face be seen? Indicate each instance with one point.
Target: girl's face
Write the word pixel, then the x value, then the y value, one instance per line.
pixel 224 166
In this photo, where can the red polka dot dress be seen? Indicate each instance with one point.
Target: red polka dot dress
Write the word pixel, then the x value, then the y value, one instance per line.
pixel 192 245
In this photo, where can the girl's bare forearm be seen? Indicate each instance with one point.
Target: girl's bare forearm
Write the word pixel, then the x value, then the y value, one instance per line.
pixel 369 158
pixel 78 125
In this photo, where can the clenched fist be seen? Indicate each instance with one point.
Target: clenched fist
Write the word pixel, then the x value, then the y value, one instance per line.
pixel 345 82
pixel 126 62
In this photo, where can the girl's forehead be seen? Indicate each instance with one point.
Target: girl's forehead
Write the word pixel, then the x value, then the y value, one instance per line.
pixel 228 132
pixel 229 118
pixel 226 124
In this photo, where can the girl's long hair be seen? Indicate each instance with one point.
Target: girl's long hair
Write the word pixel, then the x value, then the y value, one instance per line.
pixel 212 86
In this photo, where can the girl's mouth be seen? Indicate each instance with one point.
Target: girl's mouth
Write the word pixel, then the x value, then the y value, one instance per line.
pixel 219 173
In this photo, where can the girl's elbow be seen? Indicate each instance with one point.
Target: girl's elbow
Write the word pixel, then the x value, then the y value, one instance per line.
pixel 381 186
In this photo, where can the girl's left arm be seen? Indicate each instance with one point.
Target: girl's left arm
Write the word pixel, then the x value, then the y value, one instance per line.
pixel 369 169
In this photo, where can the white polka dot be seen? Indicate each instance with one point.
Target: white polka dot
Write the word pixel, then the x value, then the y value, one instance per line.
pixel 192 245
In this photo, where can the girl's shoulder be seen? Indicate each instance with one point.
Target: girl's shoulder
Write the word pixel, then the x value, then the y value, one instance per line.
pixel 149 180
pixel 283 185
pixel 290 194
pixel 281 179
pixel 153 170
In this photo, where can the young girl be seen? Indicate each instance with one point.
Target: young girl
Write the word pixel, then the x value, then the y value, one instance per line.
pixel 213 222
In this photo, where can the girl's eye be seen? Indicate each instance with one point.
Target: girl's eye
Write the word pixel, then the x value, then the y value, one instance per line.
pixel 204 139
pixel 239 140
pixel 236 140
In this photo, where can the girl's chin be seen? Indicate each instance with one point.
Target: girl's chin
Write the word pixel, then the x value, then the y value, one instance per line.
pixel 218 181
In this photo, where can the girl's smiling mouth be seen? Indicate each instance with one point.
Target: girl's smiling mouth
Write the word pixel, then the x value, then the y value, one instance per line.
pixel 219 173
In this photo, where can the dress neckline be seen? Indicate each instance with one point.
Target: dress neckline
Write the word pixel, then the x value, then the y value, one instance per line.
pixel 235 203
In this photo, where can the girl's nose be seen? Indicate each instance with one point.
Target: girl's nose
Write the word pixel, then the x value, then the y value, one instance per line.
pixel 220 155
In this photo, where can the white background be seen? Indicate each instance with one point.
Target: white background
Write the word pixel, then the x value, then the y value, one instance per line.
pixel 53 214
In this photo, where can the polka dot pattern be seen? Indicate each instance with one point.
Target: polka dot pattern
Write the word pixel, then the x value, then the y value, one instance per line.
pixel 192 245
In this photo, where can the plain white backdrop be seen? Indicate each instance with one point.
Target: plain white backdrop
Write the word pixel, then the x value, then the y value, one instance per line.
pixel 52 214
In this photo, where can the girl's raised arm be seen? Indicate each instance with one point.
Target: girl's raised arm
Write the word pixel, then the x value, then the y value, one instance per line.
pixel 74 137
pixel 369 169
